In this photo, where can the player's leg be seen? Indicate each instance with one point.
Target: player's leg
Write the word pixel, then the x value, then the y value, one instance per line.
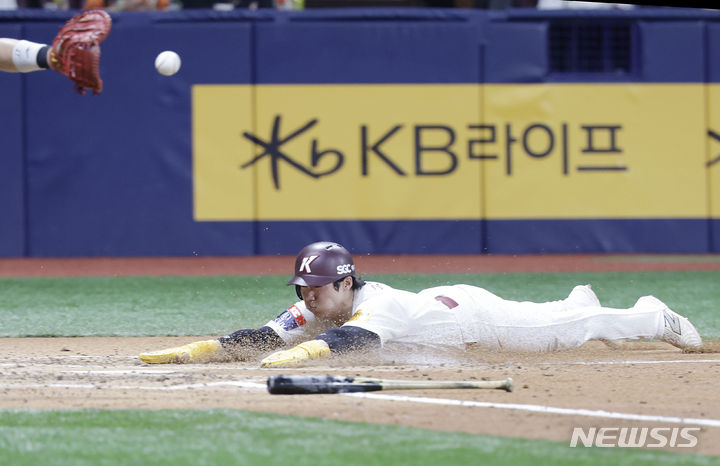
pixel 580 297
pixel 584 296
pixel 531 326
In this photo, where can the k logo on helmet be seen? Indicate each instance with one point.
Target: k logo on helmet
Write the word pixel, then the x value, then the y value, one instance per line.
pixel 305 265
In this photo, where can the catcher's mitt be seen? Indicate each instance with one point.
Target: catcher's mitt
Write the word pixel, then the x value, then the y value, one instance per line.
pixel 75 51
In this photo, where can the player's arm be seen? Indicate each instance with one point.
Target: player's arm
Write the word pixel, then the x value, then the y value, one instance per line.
pixel 245 340
pixel 284 329
pixel 181 354
pixel 340 340
pixel 75 51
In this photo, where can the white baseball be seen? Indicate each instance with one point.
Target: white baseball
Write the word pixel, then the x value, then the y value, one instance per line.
pixel 167 63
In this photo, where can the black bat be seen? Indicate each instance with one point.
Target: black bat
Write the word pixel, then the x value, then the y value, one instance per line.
pixel 317 384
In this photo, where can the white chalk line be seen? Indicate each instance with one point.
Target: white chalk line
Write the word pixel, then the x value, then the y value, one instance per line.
pixel 542 409
pixel 230 383
pixel 602 363
pixel 123 373
pixel 53 357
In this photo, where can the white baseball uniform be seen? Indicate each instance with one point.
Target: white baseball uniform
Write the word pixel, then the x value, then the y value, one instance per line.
pixel 460 314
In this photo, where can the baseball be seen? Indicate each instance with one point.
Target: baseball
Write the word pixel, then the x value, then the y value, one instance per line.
pixel 167 63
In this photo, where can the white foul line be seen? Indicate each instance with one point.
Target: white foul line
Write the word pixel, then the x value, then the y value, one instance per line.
pixel 232 383
pixel 542 409
pixel 163 372
pixel 594 363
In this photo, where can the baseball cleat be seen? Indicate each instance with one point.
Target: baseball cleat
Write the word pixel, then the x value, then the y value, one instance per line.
pixel 679 331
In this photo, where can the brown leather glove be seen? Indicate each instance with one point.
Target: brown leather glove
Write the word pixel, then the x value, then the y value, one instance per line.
pixel 75 51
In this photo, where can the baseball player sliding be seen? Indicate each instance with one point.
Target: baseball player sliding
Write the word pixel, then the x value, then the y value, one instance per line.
pixel 339 312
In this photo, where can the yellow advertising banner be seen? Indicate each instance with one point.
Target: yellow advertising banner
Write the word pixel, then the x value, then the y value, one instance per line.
pixel 449 151
pixel 220 190
pixel 596 151
pixel 369 152
pixel 337 152
pixel 713 160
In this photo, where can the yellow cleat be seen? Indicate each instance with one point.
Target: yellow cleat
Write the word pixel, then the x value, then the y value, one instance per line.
pixel 312 349
pixel 182 354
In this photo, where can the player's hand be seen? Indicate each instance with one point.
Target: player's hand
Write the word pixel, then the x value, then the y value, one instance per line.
pixel 75 51
pixel 182 354
pixel 312 349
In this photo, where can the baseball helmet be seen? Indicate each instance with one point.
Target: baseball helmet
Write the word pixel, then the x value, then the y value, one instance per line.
pixel 321 263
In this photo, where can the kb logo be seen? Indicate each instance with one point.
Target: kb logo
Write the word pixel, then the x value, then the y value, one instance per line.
pixel 345 268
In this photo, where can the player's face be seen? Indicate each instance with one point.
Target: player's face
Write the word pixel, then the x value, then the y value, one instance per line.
pixel 328 303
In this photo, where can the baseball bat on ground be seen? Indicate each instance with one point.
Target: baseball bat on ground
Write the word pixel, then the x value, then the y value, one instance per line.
pixel 317 384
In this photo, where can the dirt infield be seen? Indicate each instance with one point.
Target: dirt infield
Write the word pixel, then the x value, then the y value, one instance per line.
pixel 643 384
pixel 593 387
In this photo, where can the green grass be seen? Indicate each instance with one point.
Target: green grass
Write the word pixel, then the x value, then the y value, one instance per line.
pixel 236 437
pixel 147 306
pixel 137 306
